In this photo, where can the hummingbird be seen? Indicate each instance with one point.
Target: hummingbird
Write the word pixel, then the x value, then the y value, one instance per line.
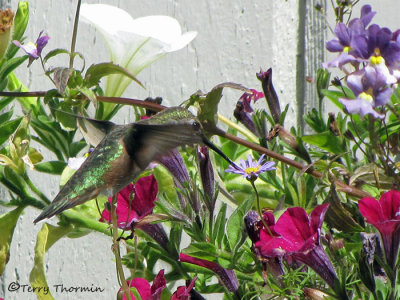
pixel 123 152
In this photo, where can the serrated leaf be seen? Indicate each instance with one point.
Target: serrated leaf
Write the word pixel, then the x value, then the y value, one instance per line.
pixel 20 23
pixel 51 167
pixel 46 238
pixel 7 226
pixel 95 72
pixel 236 227
pixel 8 128
pixel 326 141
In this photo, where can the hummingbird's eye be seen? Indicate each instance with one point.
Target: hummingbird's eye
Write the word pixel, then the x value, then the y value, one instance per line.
pixel 196 126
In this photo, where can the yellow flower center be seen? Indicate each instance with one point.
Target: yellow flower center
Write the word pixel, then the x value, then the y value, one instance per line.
pixel 376 60
pixel 252 170
pixel 347 49
pixel 366 96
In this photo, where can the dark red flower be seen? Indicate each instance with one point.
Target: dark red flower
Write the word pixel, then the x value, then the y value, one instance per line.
pixel 134 209
pixel 296 238
pixel 385 216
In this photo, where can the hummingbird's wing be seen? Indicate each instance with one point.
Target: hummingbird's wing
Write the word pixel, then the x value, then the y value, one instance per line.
pixel 150 142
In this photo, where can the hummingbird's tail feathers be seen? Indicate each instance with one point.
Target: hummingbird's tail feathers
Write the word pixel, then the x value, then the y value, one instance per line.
pixel 92 130
pixel 55 208
pixel 63 202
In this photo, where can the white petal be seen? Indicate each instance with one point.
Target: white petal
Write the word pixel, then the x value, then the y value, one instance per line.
pixel 134 44
pixel 105 17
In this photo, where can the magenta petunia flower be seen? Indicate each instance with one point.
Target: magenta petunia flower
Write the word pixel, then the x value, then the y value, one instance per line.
pixel 34 50
pixel 296 238
pixel 183 292
pixel 250 169
pixel 144 289
pixel 134 209
pixel 246 99
pixel 228 277
pixel 384 215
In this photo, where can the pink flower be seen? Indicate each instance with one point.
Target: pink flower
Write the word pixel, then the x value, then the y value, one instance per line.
pixel 144 289
pixel 296 237
pixel 183 292
pixel 132 210
pixel 385 216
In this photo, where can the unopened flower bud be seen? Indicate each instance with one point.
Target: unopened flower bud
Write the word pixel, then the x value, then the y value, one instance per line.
pixel 314 294
pixel 270 94
pixel 207 175
pixel 6 24
pixel 284 135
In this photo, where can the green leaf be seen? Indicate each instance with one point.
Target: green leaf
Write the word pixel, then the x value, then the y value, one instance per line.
pixel 14 84
pixel 208 104
pixel 219 227
pixel 7 226
pixel 326 141
pixel 66 117
pixel 20 24
pixel 53 53
pixel 88 93
pixel 95 72
pixel 6 116
pixel 323 77
pixel 51 167
pixel 10 65
pixel 46 238
pixel 8 128
pixel 203 250
pixel 236 228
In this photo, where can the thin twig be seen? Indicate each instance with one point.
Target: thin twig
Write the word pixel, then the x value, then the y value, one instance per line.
pixel 74 35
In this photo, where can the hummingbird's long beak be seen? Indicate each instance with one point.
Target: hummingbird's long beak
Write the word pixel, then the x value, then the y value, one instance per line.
pixel 217 150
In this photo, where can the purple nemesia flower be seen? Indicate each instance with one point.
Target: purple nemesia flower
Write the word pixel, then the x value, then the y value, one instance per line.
pixel 350 39
pixel 372 88
pixel 34 50
pixel 384 215
pixel 250 169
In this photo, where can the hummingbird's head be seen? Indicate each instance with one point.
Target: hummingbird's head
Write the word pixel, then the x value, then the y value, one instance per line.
pixel 181 126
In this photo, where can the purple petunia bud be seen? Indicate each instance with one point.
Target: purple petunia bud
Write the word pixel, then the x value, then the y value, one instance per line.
pixel 207 176
pixel 270 94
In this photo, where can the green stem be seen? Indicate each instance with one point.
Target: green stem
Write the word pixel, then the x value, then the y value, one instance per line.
pixel 74 34
pixel 116 249
pixel 259 207
pixel 34 189
pixel 240 129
